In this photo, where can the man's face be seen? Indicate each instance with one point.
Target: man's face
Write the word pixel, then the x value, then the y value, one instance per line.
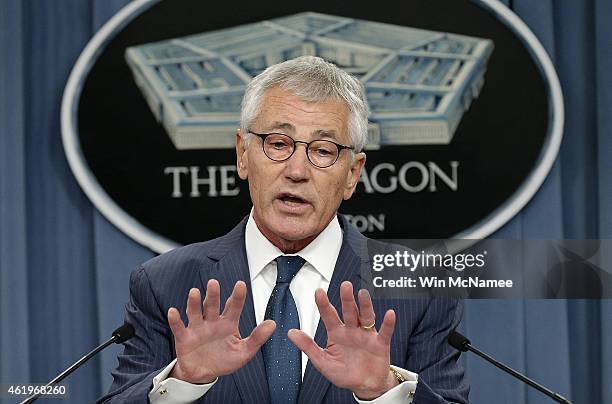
pixel 293 200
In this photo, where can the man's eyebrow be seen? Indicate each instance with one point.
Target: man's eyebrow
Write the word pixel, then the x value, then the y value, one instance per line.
pixel 325 133
pixel 284 126
pixel 287 127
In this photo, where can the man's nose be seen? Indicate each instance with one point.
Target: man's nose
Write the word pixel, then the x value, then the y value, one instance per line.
pixel 297 166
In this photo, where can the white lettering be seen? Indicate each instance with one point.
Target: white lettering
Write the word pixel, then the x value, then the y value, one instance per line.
pixel 382 178
pixel 435 170
pixel 424 176
pixel 210 181
pixel 402 282
pixel 377 222
pixel 392 179
pixel 480 283
pixel 221 180
pixel 176 179
pixel 368 222
pixel 432 282
pixel 227 180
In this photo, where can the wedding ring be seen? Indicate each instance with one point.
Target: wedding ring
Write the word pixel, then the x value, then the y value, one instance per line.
pixel 368 327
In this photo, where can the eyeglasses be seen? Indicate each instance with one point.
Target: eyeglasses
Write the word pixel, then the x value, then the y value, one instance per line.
pixel 320 153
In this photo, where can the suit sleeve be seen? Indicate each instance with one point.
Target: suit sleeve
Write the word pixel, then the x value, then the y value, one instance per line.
pixel 441 379
pixel 148 352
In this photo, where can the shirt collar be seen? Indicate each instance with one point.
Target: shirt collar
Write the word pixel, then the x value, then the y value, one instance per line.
pixel 321 253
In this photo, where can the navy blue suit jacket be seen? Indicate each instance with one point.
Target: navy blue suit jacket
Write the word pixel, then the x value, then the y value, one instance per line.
pixel 419 342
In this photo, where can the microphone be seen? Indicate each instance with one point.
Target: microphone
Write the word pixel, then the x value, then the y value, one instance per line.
pixel 123 333
pixel 120 335
pixel 460 342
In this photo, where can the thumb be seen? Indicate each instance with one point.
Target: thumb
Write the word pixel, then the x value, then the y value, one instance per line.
pixel 307 345
pixel 260 335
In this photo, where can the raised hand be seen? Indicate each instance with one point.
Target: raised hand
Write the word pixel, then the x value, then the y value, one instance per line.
pixel 357 357
pixel 211 345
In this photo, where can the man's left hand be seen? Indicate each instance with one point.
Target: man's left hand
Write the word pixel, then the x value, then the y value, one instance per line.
pixel 357 357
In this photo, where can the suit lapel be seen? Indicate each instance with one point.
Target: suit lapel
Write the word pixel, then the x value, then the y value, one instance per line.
pixel 232 266
pixel 315 386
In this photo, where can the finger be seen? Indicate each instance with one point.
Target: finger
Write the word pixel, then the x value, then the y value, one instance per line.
pixel 212 300
pixel 259 336
pixel 194 307
pixel 350 313
pixel 387 327
pixel 234 303
pixel 307 345
pixel 329 315
pixel 366 309
pixel 176 324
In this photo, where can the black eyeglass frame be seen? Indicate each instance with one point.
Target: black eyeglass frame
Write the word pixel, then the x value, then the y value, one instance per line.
pixel 263 137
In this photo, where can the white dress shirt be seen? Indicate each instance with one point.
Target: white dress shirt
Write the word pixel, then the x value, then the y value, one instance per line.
pixel 320 255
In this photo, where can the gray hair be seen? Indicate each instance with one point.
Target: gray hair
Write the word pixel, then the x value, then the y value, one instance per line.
pixel 313 80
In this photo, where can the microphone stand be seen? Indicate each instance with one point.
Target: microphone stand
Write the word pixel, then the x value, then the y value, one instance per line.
pixel 461 343
pixel 555 396
pixel 121 334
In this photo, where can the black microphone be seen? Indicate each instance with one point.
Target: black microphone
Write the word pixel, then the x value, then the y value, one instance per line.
pixel 460 342
pixel 121 334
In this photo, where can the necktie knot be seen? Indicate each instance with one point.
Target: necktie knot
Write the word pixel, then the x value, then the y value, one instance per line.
pixel 287 266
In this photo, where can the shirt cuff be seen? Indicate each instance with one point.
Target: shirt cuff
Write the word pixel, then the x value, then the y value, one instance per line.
pixel 174 391
pixel 402 393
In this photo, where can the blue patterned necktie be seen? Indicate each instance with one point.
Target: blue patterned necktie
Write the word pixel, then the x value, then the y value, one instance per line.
pixel 283 359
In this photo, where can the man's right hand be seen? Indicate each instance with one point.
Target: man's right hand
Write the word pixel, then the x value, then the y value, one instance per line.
pixel 211 345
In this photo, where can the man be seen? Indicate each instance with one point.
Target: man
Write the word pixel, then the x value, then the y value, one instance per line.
pixel 303 125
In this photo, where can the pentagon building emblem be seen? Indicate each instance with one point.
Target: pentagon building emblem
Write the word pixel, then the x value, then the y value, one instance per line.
pixel 151 107
pixel 418 83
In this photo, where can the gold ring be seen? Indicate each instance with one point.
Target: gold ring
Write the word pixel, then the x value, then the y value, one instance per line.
pixel 368 327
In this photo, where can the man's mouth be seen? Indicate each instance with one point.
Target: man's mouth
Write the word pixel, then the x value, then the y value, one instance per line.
pixel 291 199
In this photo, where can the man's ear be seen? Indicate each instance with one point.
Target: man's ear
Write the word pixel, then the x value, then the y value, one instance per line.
pixel 242 157
pixel 353 175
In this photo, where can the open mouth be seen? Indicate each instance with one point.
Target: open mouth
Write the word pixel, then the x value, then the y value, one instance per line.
pixel 291 200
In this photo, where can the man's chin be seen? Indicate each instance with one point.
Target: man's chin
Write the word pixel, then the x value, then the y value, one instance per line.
pixel 285 230
pixel 292 233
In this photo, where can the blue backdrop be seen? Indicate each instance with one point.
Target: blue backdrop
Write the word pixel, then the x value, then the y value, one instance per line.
pixel 64 269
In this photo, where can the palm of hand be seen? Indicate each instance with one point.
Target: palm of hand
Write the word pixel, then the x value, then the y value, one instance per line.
pixel 214 347
pixel 211 345
pixel 357 357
